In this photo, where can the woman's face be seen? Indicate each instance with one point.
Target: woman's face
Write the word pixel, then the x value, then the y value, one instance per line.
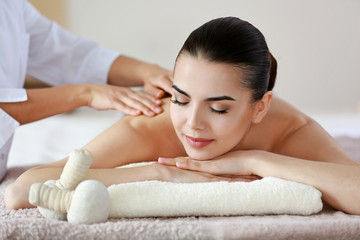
pixel 210 112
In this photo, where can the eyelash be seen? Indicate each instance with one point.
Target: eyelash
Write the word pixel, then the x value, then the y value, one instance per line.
pixel 219 111
pixel 175 101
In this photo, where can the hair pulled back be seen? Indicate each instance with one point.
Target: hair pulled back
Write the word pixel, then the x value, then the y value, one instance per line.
pixel 233 41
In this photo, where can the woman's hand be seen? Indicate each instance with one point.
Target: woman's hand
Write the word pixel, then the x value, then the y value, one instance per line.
pixel 123 99
pixel 237 163
pixel 174 174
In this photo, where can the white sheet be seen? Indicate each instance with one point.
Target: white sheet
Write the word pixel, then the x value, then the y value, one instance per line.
pixel 54 138
pixel 340 124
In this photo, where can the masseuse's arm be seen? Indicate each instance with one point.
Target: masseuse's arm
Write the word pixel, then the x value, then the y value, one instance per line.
pixel 117 95
pixel 307 155
pixel 47 102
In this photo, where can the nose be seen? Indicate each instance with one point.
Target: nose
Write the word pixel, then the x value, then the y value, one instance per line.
pixel 195 119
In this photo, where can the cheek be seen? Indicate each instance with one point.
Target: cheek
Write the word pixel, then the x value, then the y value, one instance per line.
pixel 226 130
pixel 176 117
pixel 231 130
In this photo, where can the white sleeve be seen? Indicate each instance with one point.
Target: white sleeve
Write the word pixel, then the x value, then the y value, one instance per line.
pixel 9 124
pixel 7 127
pixel 58 57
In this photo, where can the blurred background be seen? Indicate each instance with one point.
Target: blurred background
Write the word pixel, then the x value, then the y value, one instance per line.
pixel 316 43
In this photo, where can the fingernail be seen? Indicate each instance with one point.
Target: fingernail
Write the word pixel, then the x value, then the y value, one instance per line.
pixel 160 94
pixel 137 112
pixel 179 164
pixel 157 101
pixel 157 110
pixel 160 159
pixel 150 113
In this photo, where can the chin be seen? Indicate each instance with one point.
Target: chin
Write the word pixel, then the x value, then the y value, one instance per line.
pixel 200 155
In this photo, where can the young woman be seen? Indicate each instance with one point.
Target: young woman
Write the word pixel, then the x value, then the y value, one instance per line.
pixel 221 123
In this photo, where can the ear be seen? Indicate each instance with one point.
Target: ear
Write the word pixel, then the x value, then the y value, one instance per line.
pixel 262 106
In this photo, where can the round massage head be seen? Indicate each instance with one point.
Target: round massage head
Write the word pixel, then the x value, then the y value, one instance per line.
pixel 90 203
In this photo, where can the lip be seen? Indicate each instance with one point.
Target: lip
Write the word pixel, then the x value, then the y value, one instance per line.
pixel 198 142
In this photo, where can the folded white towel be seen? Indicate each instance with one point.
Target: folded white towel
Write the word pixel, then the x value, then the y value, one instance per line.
pixel 266 196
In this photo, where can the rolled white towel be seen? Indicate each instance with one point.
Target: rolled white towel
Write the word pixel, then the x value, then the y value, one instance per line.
pixel 266 196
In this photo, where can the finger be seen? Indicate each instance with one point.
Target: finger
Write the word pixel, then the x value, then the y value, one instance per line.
pixel 147 99
pixel 154 91
pixel 233 178
pixel 168 82
pixel 142 105
pixel 167 161
pixel 202 166
pixel 161 83
pixel 144 102
pixel 241 179
pixel 216 167
pixel 146 95
pixel 121 107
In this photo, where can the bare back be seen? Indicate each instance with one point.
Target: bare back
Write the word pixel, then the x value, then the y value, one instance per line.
pixel 287 131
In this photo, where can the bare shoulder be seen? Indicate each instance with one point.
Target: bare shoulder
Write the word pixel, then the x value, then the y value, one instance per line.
pixel 158 132
pixel 289 118
pixel 281 120
pixel 135 139
pixel 159 121
pixel 298 135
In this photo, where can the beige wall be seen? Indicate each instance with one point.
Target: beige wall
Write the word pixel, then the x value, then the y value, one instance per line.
pixel 316 42
pixel 53 9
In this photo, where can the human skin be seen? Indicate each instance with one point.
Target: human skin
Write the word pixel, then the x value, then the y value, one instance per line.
pixel 268 137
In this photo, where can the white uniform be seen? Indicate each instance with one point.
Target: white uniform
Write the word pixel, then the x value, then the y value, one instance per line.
pixel 31 44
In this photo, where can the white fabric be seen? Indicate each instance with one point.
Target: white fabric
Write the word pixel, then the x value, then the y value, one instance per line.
pixel 267 196
pixel 12 95
pixel 4 152
pixel 31 44
pixel 6 132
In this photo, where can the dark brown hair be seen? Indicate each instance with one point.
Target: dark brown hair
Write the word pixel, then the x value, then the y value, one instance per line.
pixel 233 41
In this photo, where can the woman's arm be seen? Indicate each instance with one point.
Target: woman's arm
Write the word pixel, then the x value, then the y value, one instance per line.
pixel 339 183
pixel 307 155
pixel 17 194
pixel 311 156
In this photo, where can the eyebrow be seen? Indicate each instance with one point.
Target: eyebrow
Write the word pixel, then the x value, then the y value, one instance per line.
pixel 221 98
pixel 212 99
pixel 180 91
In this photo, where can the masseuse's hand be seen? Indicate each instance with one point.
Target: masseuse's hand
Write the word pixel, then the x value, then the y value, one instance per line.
pixel 127 71
pixel 158 81
pixel 236 163
pixel 174 174
pixel 123 99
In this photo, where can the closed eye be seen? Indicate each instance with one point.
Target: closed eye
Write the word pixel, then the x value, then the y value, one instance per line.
pixel 175 101
pixel 219 111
